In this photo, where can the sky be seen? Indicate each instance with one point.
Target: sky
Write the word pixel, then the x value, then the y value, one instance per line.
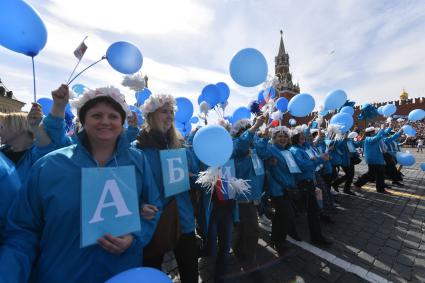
pixel 370 49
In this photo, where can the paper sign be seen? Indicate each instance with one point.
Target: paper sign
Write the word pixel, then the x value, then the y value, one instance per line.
pixel 109 203
pixel 175 173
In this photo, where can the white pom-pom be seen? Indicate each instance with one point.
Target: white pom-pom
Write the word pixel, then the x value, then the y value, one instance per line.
pixel 208 178
pixel 277 115
pixel 134 82
pixel 238 187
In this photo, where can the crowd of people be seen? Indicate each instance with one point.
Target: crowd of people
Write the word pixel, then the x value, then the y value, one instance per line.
pixel 303 169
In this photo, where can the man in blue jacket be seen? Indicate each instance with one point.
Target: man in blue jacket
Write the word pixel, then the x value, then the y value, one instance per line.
pixel 374 149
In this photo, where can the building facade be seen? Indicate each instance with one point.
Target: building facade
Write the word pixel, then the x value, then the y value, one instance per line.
pixel 8 103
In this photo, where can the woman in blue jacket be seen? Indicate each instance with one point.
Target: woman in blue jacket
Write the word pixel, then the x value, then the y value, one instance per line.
pixel 280 182
pixel 306 183
pixel 43 229
pixel 159 133
pixel 245 156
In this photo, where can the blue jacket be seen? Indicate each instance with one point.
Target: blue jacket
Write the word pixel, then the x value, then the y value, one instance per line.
pixel 372 150
pixel 10 184
pixel 335 154
pixel 131 133
pixel 327 165
pixel 307 166
pixel 279 178
pixel 184 204
pixel 43 228
pixel 243 146
pixel 392 143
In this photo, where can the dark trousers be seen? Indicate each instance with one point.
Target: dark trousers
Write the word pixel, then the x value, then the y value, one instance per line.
pixel 186 253
pixel 375 172
pixel 391 169
pixel 246 233
pixel 347 178
pixel 308 198
pixel 221 228
pixel 283 221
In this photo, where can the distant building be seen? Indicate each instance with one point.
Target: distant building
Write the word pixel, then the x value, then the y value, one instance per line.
pixel 8 103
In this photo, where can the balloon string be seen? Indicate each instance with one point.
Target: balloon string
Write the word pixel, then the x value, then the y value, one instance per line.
pixel 91 65
pixel 33 78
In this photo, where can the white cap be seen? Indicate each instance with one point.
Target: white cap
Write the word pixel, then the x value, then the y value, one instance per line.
pixel 370 129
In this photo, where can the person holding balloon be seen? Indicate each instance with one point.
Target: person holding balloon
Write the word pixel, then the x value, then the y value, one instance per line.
pixel 373 145
pixel 43 229
pixel 248 164
pixel 390 159
pixel 306 183
pixel 159 133
pixel 24 142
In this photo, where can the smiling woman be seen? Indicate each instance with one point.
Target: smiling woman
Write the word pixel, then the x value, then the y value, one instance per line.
pixel 44 235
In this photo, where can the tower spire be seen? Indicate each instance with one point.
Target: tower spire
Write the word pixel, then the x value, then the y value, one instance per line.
pixel 281 46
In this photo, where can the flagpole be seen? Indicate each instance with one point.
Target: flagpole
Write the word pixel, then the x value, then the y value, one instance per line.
pixel 91 65
pixel 76 66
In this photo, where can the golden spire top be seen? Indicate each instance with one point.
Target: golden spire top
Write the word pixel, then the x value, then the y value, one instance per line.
pixel 404 95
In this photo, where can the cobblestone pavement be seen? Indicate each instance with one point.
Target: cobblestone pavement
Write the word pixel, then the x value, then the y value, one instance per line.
pixel 378 237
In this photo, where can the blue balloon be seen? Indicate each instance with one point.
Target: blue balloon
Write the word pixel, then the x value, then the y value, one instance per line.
pixel 408 130
pixel 248 67
pixel 344 120
pixel 348 110
pixel 323 112
pixel 416 115
pixel 184 109
pixel 194 120
pixel 140 119
pixel 282 104
pixel 79 89
pixel 200 99
pixel 142 95
pixel 335 99
pixel 140 275
pixel 68 110
pixel 124 57
pixel 224 91
pixel 423 166
pixel 134 109
pixel 389 110
pixel 292 122
pixel 314 125
pixel 211 94
pixel 213 145
pixel 241 113
pixel 380 110
pixel 46 105
pixel 261 96
pixel 405 158
pixel 22 29
pixel 301 105
pixel 365 105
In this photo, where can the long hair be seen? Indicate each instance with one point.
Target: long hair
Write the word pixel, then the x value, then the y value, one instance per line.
pixel 174 138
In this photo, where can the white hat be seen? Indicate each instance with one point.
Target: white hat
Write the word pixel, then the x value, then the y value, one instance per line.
pixel 90 94
pixel 370 129
pixel 156 101
pixel 352 135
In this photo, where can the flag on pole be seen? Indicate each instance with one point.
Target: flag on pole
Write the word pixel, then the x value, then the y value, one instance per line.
pixel 81 49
